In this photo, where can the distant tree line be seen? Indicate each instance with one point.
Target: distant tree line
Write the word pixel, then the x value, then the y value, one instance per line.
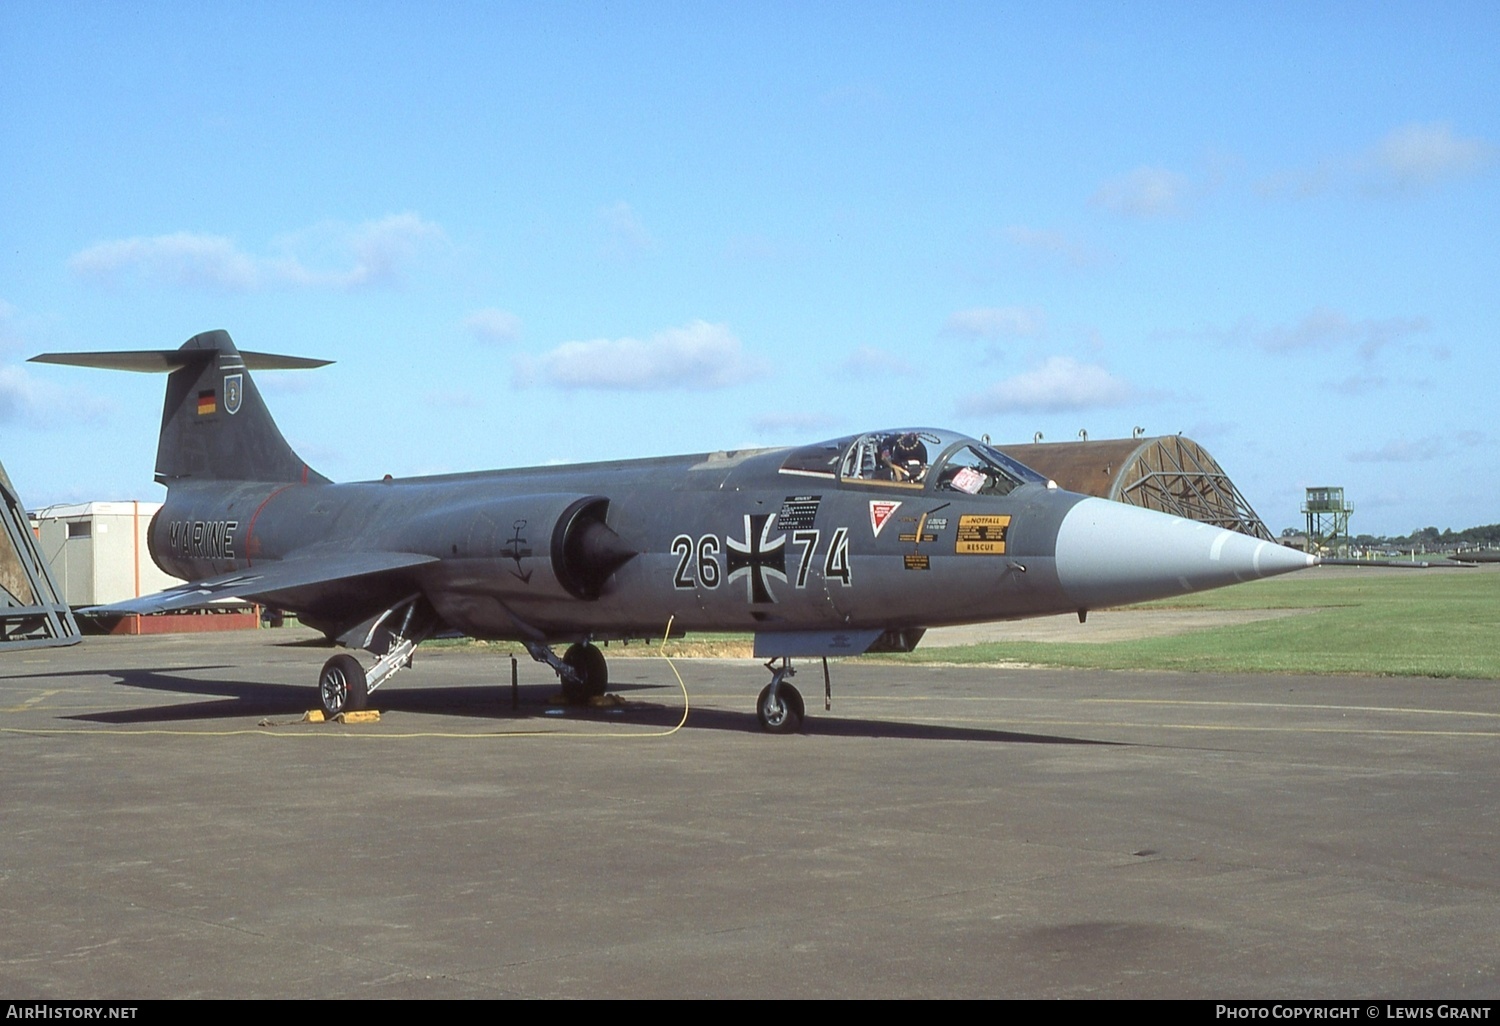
pixel 1428 538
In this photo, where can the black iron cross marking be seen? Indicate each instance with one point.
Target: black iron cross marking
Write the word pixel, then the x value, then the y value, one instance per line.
pixel 757 557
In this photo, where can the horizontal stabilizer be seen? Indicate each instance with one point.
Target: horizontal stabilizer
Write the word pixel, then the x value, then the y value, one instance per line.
pixel 214 422
pixel 161 361
pixel 268 579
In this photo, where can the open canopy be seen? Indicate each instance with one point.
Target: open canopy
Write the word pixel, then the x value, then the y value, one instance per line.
pixel 915 458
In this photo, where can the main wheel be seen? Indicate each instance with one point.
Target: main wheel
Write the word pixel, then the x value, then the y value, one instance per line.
pixel 342 686
pixel 782 716
pixel 589 662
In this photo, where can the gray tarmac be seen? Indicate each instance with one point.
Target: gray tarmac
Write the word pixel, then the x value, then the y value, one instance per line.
pixel 169 829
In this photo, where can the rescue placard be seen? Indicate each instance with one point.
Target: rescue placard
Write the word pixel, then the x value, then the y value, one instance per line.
pixel 981 534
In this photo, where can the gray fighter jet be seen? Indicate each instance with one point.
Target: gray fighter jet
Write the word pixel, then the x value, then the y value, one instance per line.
pixel 848 546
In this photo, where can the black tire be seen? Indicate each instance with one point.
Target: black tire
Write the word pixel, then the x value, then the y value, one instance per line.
pixel 784 716
pixel 342 686
pixel 590 664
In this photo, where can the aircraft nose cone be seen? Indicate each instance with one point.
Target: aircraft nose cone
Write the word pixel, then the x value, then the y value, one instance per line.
pixel 1109 554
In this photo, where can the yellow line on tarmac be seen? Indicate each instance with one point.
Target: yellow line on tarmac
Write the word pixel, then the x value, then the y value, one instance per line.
pixel 1292 705
pixel 1225 728
pixel 30 703
pixel 1280 706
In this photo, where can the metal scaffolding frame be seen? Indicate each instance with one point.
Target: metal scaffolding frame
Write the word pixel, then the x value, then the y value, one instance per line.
pixel 1175 475
pixel 1168 473
pixel 32 611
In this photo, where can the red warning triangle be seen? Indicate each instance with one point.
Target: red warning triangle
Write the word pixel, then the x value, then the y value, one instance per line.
pixel 880 512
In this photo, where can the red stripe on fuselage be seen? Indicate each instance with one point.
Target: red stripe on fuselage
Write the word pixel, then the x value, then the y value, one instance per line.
pixel 250 531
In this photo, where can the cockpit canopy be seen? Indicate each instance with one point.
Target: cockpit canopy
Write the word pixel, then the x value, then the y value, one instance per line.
pixel 914 458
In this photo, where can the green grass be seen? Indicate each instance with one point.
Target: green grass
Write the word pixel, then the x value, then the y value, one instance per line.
pixel 699 645
pixel 1437 623
pixel 1423 623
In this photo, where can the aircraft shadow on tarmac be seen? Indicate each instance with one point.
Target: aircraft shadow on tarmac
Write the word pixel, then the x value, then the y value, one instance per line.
pixel 538 702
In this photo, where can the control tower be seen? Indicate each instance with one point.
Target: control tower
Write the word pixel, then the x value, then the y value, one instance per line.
pixel 1327 519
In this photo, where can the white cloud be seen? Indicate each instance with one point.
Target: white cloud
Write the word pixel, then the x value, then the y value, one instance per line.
pixel 384 248
pixel 23 398
pixel 18 395
pixel 997 322
pixel 624 233
pixel 697 356
pixel 375 254
pixel 493 326
pixel 1145 192
pixel 1058 385
pixel 183 259
pixel 1420 450
pixel 1422 155
pixel 1408 158
pixel 1413 450
pixel 1325 329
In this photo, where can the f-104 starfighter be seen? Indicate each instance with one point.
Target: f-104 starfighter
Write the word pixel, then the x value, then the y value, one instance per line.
pixel 842 547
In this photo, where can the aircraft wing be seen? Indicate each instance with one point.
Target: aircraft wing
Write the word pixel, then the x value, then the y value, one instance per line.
pixel 278 576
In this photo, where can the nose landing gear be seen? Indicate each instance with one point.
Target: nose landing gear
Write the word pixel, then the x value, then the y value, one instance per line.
pixel 779 708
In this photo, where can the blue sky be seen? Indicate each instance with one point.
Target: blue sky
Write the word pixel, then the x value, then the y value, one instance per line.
pixel 534 233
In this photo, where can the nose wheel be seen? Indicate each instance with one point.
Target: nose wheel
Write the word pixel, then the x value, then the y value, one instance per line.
pixel 779 708
pixel 780 713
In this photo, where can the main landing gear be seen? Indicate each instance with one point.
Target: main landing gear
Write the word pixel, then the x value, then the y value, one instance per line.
pixel 345 685
pixel 582 670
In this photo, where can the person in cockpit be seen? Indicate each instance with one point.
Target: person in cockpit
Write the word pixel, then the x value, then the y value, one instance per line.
pixel 906 457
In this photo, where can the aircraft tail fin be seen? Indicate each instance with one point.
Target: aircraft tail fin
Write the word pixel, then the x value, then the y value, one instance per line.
pixel 214 424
